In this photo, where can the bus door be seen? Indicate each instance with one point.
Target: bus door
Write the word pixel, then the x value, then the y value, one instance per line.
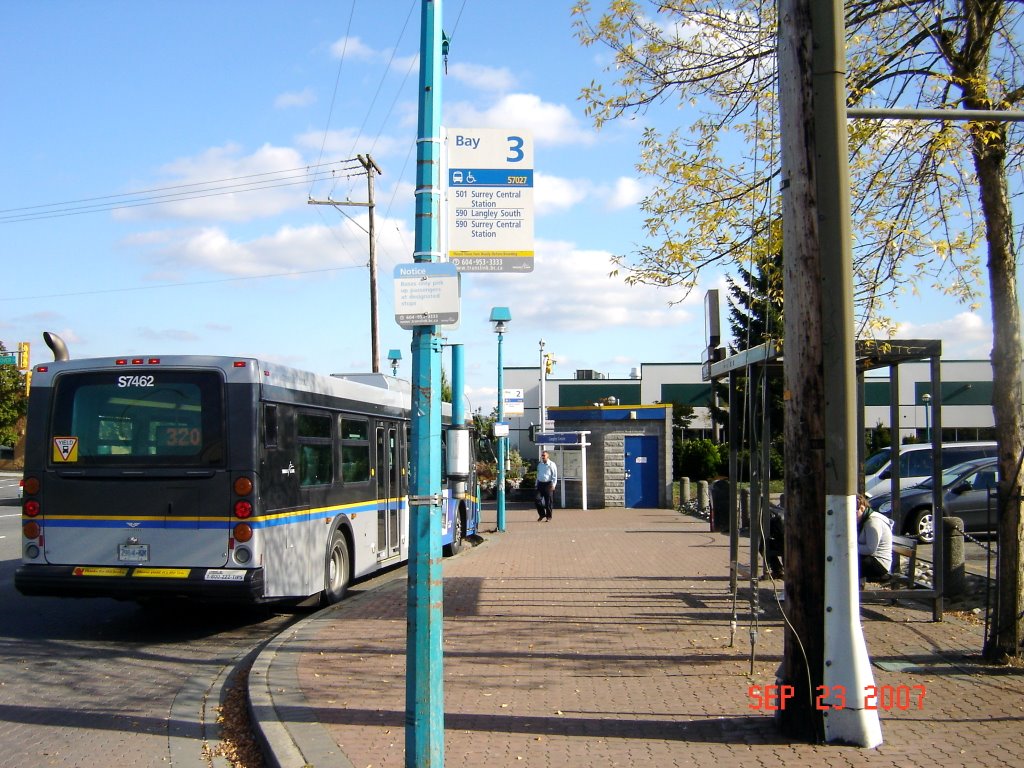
pixel 389 492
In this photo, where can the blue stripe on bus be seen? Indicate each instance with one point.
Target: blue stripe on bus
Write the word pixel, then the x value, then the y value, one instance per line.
pixel 217 523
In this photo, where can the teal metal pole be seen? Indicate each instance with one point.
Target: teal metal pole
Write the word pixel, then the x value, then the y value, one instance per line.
pixel 458 386
pixel 424 687
pixel 501 440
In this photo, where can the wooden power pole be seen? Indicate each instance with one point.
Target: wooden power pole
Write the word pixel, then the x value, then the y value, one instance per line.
pixel 825 659
pixel 371 168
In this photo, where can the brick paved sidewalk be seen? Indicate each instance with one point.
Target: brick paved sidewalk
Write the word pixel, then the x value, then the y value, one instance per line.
pixel 603 639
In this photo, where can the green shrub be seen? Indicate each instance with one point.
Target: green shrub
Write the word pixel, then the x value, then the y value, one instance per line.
pixel 700 459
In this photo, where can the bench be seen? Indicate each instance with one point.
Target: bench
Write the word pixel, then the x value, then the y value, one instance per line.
pixel 903 547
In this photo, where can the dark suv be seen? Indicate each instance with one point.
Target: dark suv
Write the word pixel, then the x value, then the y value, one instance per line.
pixel 966 491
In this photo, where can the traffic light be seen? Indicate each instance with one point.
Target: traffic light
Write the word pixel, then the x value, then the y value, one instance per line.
pixel 23 356
pixel 534 429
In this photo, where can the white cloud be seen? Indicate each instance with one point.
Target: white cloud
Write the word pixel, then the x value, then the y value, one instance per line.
pixel 626 193
pixel 352 48
pixel 482 77
pixel 966 335
pixel 548 123
pixel 347 143
pixel 222 184
pixel 552 194
pixel 289 249
pixel 577 293
pixel 302 98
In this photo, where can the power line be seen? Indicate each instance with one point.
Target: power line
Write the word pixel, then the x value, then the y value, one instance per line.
pixel 179 285
pixel 182 192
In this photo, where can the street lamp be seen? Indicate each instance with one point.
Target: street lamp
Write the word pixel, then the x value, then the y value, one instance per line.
pixel 927 399
pixel 395 356
pixel 501 317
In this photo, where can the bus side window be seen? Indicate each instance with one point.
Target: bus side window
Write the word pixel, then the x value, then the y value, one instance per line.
pixel 270 426
pixel 316 451
pixel 355 450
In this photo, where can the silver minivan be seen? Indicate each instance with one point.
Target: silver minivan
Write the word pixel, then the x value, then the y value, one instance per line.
pixel 916 463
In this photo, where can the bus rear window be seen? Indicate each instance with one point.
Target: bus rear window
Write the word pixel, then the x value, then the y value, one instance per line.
pixel 150 419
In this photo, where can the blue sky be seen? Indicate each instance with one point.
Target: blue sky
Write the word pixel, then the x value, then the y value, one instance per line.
pixel 107 98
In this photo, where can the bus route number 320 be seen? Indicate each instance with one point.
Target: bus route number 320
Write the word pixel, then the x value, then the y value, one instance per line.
pixel 136 381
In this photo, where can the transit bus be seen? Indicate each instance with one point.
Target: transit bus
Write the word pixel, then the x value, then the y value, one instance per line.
pixel 220 478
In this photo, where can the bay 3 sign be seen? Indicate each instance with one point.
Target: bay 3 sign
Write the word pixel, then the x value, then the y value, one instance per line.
pixel 490 200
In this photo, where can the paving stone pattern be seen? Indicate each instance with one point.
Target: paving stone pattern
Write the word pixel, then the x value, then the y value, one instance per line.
pixel 604 638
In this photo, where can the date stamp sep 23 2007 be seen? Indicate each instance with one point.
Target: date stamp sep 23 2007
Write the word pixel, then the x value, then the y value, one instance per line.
pixel 773 698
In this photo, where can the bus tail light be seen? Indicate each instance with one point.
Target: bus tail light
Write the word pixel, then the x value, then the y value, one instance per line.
pixel 30 485
pixel 242 486
pixel 242 555
pixel 31 530
pixel 243 532
pixel 31 508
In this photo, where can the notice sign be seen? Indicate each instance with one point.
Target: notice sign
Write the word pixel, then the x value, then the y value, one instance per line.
pixel 490 200
pixel 426 293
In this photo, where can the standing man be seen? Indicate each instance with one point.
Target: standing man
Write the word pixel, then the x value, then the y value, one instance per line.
pixel 547 479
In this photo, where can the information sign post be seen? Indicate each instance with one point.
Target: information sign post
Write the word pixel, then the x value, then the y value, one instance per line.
pixel 490 200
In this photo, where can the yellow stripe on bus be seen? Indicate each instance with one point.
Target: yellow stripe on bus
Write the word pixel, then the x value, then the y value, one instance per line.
pixel 163 573
pixel 82 570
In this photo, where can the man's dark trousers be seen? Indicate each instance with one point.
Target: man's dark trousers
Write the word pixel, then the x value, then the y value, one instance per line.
pixel 545 499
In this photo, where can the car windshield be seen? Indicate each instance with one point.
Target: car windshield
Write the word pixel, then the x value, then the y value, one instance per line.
pixel 876 461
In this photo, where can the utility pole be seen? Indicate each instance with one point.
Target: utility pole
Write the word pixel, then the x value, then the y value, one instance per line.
pixel 424 678
pixel 543 404
pixel 371 167
pixel 825 653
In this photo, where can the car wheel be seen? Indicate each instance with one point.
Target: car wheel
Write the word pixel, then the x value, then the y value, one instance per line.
pixel 336 570
pixel 923 527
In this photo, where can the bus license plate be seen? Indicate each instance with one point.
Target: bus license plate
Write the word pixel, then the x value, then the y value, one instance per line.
pixel 132 553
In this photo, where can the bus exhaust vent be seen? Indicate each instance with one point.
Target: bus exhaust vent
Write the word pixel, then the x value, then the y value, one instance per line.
pixel 57 346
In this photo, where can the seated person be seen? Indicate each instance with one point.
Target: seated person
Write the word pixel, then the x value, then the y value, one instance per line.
pixel 874 542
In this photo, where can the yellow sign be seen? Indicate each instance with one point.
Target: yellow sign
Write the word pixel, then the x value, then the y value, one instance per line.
pixel 163 573
pixel 87 571
pixel 65 450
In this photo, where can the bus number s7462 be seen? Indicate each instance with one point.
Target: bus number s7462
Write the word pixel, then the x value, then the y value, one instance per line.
pixel 136 381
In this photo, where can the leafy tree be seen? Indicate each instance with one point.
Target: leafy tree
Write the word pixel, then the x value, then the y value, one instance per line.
pixel 13 401
pixel 682 415
pixel 446 387
pixel 913 183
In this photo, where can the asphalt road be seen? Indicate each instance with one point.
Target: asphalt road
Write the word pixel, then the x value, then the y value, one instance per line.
pixel 99 682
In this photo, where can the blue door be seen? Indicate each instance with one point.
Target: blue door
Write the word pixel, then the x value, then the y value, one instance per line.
pixel 641 471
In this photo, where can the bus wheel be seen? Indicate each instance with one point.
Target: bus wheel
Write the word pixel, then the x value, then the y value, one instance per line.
pixel 336 570
pixel 458 533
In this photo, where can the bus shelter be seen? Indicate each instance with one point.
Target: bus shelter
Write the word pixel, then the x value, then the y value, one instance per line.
pixel 750 426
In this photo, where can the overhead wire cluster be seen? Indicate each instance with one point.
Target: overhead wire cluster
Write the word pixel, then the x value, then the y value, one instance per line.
pixel 176 193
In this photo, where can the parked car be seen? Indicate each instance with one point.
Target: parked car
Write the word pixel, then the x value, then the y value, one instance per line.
pixel 965 494
pixel 916 463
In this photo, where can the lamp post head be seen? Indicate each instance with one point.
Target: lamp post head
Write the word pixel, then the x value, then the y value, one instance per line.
pixel 501 317
pixel 394 355
pixel 926 398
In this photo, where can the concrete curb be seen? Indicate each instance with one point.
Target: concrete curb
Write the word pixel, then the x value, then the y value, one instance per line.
pixel 281 715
